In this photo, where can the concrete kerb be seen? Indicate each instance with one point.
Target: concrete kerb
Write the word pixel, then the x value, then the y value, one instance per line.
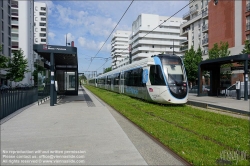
pixel 212 106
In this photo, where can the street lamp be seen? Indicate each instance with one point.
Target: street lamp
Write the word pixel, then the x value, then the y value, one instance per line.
pixel 66 40
pixel 172 47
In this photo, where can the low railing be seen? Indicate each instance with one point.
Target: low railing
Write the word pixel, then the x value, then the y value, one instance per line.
pixel 13 99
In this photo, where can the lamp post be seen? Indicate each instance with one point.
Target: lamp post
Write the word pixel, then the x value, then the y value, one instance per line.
pixel 66 40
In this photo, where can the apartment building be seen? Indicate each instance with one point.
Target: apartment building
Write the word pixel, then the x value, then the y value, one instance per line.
pixel 195 29
pixel 5 35
pixel 22 23
pixel 148 38
pixel 40 20
pixel 119 48
pixel 228 22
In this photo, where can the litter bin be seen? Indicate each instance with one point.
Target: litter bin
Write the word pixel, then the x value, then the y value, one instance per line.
pixel 238 95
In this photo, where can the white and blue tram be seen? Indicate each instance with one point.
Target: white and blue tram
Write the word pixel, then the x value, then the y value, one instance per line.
pixel 160 78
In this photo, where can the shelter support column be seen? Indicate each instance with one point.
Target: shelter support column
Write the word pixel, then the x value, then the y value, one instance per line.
pixel 200 71
pixel 246 80
pixel 52 80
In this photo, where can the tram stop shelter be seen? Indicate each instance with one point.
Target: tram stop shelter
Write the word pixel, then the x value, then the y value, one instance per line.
pixel 214 65
pixel 63 66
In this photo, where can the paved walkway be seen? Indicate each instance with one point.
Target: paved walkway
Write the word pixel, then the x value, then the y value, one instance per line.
pixel 78 130
pixel 226 103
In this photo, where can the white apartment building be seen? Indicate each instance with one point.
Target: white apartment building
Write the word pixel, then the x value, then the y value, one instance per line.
pixel 148 38
pixel 195 29
pixel 40 20
pixel 40 28
pixel 119 47
pixel 22 23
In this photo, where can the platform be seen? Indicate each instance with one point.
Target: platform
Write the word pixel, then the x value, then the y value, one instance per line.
pixel 223 103
pixel 78 130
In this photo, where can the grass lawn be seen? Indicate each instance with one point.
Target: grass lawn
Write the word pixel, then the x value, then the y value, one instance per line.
pixel 201 137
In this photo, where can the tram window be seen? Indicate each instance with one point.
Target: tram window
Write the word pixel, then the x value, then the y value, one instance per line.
pixel 133 77
pixel 116 79
pixel 156 77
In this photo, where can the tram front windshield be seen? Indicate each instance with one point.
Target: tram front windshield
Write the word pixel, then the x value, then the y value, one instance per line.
pixel 173 70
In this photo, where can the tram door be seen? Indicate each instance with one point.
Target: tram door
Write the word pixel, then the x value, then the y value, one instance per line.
pixel 121 87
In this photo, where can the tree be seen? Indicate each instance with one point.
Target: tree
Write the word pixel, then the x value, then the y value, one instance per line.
pixel 17 67
pixel 191 61
pixel 219 52
pixel 246 49
pixel 3 60
pixel 107 69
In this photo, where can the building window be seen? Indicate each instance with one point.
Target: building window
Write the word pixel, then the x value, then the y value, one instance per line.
pixel 2 26
pixel 248 23
pixel 2 38
pixel 216 2
pixel 2 13
pixel 9 31
pixel 248 37
pixel 9 41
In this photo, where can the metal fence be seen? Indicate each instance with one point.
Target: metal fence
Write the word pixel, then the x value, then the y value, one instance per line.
pixel 13 99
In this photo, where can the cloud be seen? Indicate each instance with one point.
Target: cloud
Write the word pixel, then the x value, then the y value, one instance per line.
pixel 93 45
pixel 52 35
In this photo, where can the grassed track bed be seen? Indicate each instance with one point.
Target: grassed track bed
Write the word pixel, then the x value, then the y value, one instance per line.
pixel 201 137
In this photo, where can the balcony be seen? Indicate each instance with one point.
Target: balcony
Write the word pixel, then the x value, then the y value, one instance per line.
pixel 14 14
pixel 42 34
pixel 184 32
pixel 42 24
pixel 14 5
pixel 248 7
pixel 205 41
pixel 14 47
pixel 42 14
pixel 184 48
pixel 184 42
pixel 14 38
pixel 186 16
pixel 43 19
pixel 194 10
pixel 43 8
pixel 14 22
pixel 205 28
pixel 205 13
pixel 14 30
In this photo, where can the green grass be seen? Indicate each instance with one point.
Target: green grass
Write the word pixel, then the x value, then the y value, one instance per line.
pixel 196 135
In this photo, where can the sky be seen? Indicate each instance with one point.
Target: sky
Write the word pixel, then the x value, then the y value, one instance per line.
pixel 89 23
